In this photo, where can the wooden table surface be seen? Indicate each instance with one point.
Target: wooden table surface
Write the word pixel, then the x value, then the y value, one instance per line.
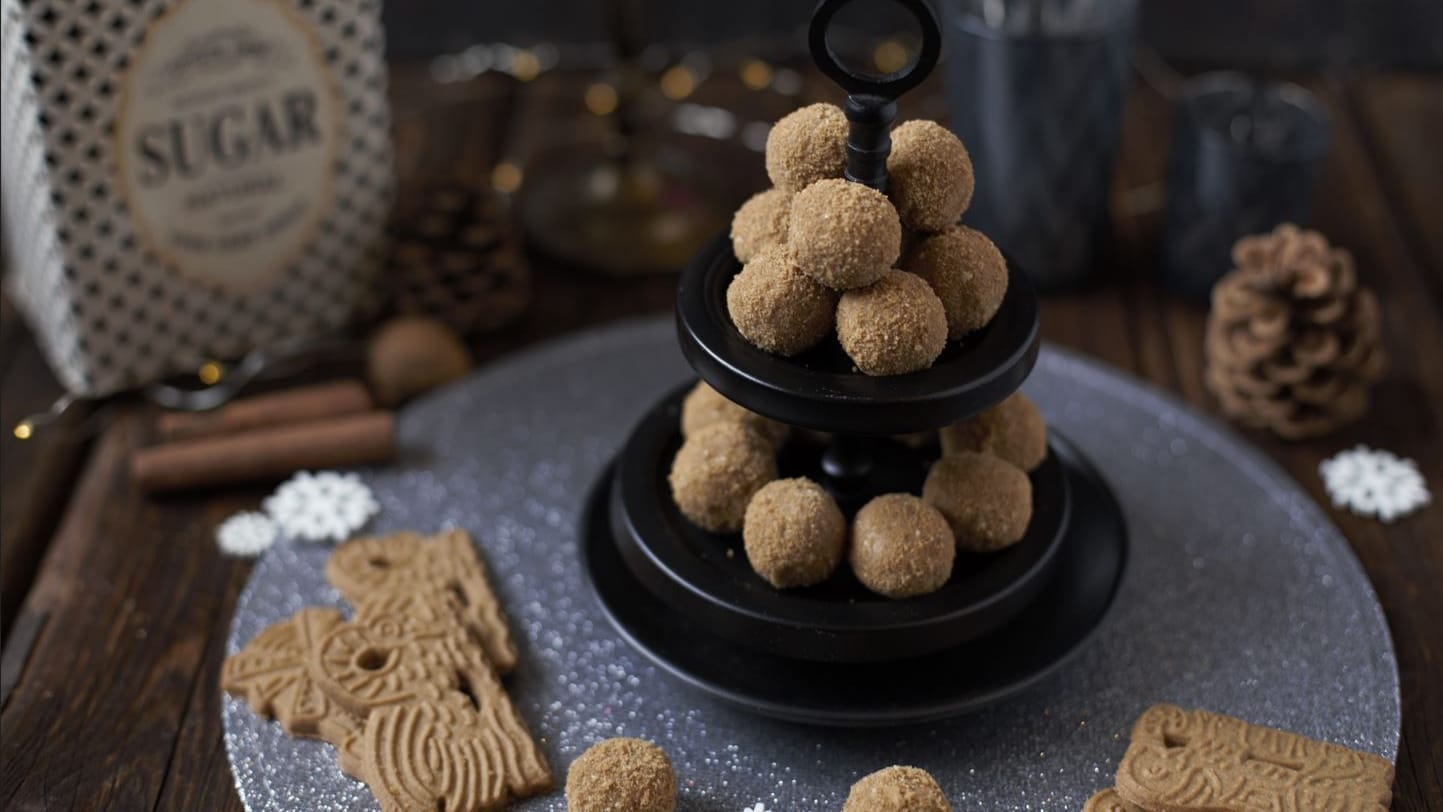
pixel 116 606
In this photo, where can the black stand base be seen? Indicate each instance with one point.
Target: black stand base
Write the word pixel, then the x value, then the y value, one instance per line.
pixel 961 679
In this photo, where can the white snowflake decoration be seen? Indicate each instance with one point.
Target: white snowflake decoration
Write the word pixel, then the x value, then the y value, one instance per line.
pixel 758 808
pixel 326 506
pixel 1374 483
pixel 246 534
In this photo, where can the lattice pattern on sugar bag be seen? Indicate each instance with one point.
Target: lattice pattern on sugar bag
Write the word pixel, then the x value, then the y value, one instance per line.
pixel 108 315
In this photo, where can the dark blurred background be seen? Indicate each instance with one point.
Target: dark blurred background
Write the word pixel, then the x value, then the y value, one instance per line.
pixel 1247 34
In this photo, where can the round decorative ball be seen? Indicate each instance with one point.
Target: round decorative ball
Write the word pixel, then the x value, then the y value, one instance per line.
pixel 929 175
pixel 409 355
pixel 761 222
pixel 901 546
pixel 778 308
pixel 807 145
pixel 895 326
pixel 621 775
pixel 794 533
pixel 1013 430
pixel 704 406
pixel 897 789
pixel 966 271
pixel 986 500
pixel 716 473
pixel 843 234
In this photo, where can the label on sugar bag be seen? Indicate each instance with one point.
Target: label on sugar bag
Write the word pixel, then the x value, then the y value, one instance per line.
pixel 228 135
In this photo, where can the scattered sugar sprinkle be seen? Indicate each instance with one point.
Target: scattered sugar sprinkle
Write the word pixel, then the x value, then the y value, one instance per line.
pixel 511 454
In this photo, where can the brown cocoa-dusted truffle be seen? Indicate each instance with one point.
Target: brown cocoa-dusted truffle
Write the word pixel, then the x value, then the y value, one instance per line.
pixel 897 789
pixel 761 222
pixel 621 775
pixel 717 471
pixel 807 145
pixel 704 406
pixel 929 175
pixel 986 500
pixel 901 546
pixel 897 325
pixel 966 271
pixel 1012 430
pixel 843 234
pixel 777 307
pixel 794 533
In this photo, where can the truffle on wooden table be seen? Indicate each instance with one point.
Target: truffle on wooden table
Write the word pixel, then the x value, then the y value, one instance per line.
pixel 794 533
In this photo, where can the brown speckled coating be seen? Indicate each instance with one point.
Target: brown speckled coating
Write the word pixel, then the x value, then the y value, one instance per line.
pixel 986 500
pixel 843 234
pixel 1013 430
pixel 1108 801
pixel 807 145
pixel 621 775
pixel 895 326
pixel 717 471
pixel 704 406
pixel 967 272
pixel 761 222
pixel 897 789
pixel 794 533
pixel 901 546
pixel 929 175
pixel 778 308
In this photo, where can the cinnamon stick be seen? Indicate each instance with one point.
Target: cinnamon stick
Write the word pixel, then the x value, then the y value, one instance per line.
pixel 266 453
pixel 314 402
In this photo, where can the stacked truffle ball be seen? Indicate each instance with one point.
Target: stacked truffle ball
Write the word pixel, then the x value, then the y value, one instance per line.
pixel 977 498
pixel 823 254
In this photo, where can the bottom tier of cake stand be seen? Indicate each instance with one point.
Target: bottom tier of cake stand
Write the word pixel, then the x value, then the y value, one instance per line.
pixel 1066 609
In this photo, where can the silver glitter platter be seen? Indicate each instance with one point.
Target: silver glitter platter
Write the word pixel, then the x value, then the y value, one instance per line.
pixel 1239 596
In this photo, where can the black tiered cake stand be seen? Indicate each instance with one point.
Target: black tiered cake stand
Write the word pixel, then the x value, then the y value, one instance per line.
pixel 836 653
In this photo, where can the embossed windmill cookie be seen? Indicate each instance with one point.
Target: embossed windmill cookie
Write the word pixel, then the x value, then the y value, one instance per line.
pixel 1108 801
pixel 270 673
pixel 1196 761
pixel 444 565
pixel 463 754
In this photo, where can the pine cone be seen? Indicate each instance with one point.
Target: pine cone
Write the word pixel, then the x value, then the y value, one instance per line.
pixel 458 259
pixel 1292 339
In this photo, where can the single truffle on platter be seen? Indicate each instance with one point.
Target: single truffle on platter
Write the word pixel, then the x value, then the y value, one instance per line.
pixel 892 327
pixel 704 406
pixel 929 175
pixel 901 546
pixel 761 222
pixel 621 775
pixel 807 145
pixel 794 533
pixel 1013 430
pixel 897 789
pixel 987 500
pixel 843 234
pixel 966 271
pixel 778 308
pixel 716 473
